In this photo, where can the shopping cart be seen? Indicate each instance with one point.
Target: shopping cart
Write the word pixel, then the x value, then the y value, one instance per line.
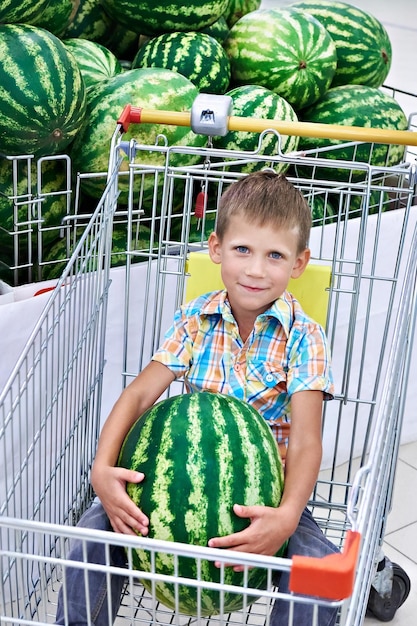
pixel 51 406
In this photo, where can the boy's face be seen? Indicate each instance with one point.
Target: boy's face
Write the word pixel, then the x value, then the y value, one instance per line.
pixel 257 263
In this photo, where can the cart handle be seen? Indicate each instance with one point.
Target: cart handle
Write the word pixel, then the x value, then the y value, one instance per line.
pixel 138 115
pixel 329 577
pixel 129 115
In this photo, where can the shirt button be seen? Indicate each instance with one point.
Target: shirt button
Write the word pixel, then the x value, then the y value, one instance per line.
pixel 270 380
pixel 237 367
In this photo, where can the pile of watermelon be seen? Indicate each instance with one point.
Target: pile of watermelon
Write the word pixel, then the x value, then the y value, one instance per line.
pixel 67 68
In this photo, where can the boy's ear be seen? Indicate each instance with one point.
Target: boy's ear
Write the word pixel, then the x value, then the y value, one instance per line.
pixel 301 263
pixel 214 247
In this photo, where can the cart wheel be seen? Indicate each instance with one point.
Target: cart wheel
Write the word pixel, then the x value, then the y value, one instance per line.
pixel 384 608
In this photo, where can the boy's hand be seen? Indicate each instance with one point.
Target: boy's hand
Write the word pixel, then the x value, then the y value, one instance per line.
pixel 110 486
pixel 265 534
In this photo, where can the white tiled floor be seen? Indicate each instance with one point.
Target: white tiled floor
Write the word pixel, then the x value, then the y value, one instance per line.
pixel 400 21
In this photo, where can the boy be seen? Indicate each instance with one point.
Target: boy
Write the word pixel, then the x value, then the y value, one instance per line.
pixel 251 340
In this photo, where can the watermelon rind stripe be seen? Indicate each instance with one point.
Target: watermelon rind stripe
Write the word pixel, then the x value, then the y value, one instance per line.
pixel 223 452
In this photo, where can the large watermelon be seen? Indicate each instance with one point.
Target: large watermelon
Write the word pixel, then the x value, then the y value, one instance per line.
pixel 42 92
pixel 253 101
pixel 201 453
pixel 362 43
pixel 148 17
pixel 95 61
pixel 285 50
pixel 197 56
pixel 354 105
pixel 154 88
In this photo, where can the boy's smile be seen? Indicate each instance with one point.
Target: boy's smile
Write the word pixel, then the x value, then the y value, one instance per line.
pixel 257 263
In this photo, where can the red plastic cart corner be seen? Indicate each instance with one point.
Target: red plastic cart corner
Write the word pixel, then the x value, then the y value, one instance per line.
pixel 331 577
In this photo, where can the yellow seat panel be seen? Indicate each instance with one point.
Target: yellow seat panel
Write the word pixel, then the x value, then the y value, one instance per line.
pixel 311 289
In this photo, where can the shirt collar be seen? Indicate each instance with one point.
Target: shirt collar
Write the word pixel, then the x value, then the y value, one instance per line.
pixel 282 309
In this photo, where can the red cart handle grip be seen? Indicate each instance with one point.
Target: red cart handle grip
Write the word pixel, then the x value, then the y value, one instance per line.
pixel 330 577
pixel 129 115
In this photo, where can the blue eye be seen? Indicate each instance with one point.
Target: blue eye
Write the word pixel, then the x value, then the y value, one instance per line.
pixel 242 249
pixel 275 255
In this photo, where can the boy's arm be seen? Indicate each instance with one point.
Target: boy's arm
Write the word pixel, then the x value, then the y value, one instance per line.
pixel 271 527
pixel 109 482
pixel 303 455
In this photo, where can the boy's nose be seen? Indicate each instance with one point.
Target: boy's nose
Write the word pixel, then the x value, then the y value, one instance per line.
pixel 255 267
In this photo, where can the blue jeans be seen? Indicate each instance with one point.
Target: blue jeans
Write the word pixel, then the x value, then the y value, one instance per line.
pixel 308 539
pixel 94 518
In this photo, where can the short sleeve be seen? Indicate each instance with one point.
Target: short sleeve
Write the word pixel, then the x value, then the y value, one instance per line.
pixel 176 349
pixel 309 361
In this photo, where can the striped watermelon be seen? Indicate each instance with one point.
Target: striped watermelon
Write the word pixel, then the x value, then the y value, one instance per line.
pixel 154 88
pixel 95 61
pixel 239 8
pixel 57 16
pixel 200 453
pixel 148 17
pixel 197 56
pixel 22 11
pixel 90 21
pixel 285 50
pixel 354 105
pixel 42 93
pixel 362 43
pixel 260 103
pixel 218 30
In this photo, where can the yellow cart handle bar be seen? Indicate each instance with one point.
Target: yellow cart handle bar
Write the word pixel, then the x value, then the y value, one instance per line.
pixel 138 115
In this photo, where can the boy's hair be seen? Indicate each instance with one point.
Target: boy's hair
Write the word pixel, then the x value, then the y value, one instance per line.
pixel 266 197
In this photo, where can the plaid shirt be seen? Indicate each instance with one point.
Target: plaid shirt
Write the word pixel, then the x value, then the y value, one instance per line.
pixel 286 352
